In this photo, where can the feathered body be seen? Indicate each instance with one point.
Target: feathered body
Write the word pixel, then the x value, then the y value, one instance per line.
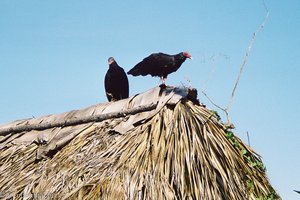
pixel 116 82
pixel 159 64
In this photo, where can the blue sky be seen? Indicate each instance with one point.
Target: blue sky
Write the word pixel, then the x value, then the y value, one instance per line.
pixel 54 59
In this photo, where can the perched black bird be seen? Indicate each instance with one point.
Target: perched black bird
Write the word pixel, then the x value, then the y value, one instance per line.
pixel 159 64
pixel 116 82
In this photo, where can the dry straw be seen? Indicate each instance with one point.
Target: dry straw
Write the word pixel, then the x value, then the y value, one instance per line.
pixel 177 151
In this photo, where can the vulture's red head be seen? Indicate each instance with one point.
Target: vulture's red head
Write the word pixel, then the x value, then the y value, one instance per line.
pixel 187 55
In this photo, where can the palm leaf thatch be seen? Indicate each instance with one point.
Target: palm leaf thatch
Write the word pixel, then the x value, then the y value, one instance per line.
pixel 177 149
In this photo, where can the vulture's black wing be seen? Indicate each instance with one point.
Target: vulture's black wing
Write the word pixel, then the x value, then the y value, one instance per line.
pixel 153 65
pixel 116 83
pixel 108 84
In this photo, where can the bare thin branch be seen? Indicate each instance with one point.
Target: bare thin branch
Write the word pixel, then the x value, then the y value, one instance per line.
pixel 226 110
pixel 246 58
pixel 248 139
pixel 211 101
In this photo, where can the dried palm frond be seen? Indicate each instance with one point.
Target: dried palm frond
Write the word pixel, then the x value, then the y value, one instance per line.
pixel 179 151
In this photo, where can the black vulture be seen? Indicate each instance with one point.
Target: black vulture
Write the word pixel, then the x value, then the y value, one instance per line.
pixel 159 64
pixel 116 82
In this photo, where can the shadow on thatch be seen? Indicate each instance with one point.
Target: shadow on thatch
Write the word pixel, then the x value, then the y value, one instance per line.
pixel 176 150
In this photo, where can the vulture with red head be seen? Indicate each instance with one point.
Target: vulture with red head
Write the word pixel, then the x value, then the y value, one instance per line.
pixel 159 64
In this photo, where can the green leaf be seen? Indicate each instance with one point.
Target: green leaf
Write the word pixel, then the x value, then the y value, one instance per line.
pixel 250 184
pixel 253 164
pixel 230 135
pixel 244 152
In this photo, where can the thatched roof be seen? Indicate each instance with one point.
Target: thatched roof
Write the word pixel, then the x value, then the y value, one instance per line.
pixel 176 149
